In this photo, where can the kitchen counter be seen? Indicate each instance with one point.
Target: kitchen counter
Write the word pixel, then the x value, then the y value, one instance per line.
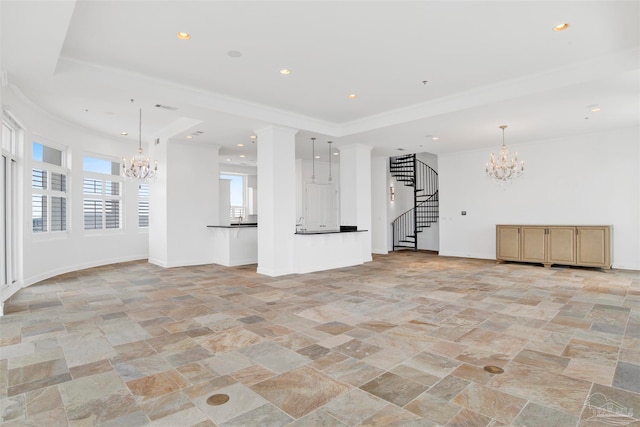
pixel 239 225
pixel 328 231
pixel 235 244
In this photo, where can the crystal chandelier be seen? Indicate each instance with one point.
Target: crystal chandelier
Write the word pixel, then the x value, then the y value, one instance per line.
pixel 506 168
pixel 140 166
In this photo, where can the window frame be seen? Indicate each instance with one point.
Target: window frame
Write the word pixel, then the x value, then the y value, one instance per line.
pixel 49 169
pixel 244 208
pixel 143 202
pixel 103 196
pixel 11 219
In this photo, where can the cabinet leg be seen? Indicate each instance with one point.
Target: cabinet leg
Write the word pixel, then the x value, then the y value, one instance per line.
pixel 547 265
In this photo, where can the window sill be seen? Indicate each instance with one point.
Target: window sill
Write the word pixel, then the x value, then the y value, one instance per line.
pixel 50 235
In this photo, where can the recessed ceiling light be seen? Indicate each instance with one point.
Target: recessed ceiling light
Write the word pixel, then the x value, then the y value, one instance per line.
pixel 435 138
pixel 240 145
pixel 228 160
pixel 561 27
pixel 183 36
pixel 124 133
pixel 243 156
pixel 317 157
pixel 253 137
pixel 336 153
pixel 285 71
pixel 189 136
pixel 595 109
pixel 352 96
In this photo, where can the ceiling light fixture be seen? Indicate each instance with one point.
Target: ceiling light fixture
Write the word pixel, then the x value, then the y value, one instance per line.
pixel 239 145
pixel 561 27
pixel 595 109
pixel 189 136
pixel 124 133
pixel 435 138
pixel 243 156
pixel 285 71
pixel 139 167
pixel 183 36
pixel 352 96
pixel 505 169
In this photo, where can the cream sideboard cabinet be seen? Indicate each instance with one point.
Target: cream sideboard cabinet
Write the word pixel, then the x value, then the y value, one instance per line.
pixel 582 245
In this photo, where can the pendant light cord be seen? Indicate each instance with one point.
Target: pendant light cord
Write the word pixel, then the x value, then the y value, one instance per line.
pixel 329 142
pixel 313 158
pixel 140 133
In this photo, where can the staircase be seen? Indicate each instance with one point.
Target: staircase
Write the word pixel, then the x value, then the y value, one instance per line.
pixel 424 180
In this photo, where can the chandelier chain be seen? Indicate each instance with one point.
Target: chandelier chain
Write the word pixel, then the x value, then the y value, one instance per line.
pixel 139 167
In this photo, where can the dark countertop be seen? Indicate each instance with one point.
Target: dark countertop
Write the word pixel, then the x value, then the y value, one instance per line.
pixel 243 225
pixel 328 232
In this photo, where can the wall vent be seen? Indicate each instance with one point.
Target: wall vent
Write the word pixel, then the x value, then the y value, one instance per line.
pixel 166 107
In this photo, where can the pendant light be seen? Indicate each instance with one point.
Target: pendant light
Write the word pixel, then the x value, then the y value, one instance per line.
pixel 140 167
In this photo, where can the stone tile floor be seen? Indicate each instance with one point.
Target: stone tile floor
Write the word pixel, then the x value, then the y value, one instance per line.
pixel 400 341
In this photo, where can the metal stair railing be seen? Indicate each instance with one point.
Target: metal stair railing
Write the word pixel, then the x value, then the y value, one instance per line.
pixel 424 180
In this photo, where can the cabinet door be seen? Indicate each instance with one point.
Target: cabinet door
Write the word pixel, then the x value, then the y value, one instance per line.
pixel 507 243
pixel 534 244
pixel 561 245
pixel 321 207
pixel 594 246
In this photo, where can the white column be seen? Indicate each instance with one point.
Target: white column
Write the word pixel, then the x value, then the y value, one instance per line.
pixel 355 190
pixel 183 201
pixel 380 224
pixel 276 200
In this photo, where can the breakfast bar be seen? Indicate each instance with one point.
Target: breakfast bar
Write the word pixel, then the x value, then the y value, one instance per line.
pixel 235 244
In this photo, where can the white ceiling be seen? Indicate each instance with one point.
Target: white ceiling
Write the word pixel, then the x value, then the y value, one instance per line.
pixel 486 63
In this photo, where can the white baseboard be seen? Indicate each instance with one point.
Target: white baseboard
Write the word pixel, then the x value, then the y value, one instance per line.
pixel 10 290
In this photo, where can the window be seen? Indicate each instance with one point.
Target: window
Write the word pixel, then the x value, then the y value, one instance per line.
pixel 237 189
pixel 143 205
pixel 102 188
pixel 49 189
pixel 9 220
